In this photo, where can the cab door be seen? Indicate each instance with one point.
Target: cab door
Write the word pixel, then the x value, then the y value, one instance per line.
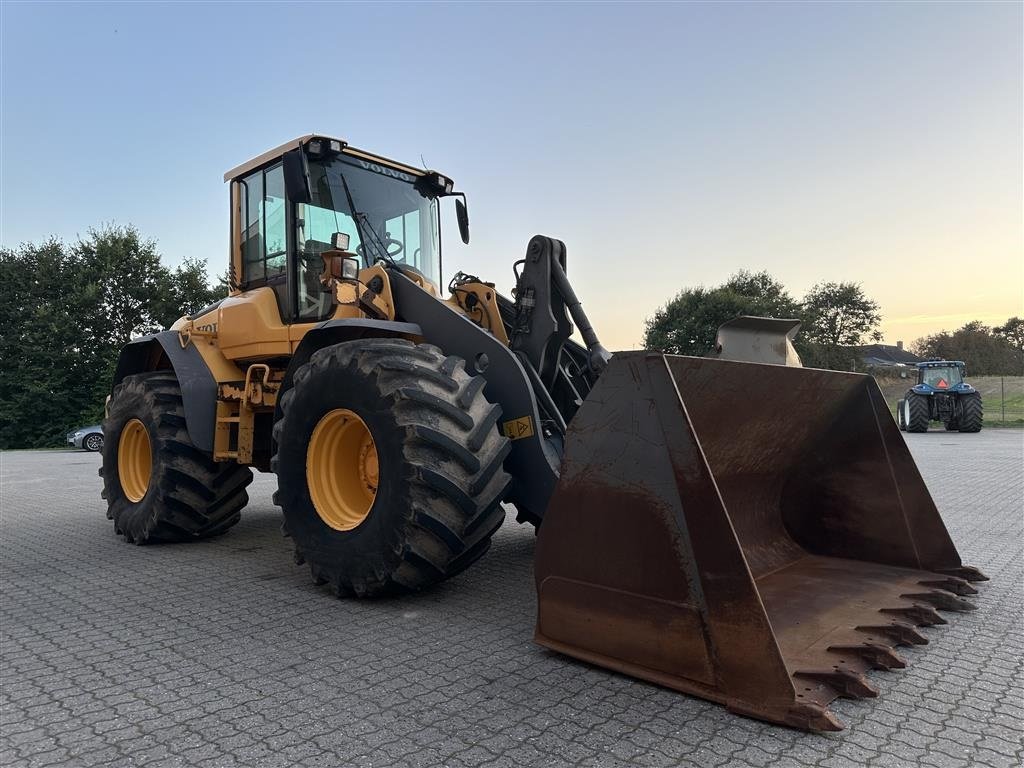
pixel 264 236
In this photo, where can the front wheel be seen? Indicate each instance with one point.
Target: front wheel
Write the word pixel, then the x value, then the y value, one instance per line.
pixel 93 442
pixel 389 466
pixel 901 419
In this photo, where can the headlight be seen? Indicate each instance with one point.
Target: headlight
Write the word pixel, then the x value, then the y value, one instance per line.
pixel 349 269
pixel 78 434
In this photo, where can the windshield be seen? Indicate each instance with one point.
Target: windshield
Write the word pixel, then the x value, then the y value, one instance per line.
pixel 943 377
pixel 394 215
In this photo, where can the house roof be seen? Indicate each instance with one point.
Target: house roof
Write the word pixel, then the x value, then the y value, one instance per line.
pixel 887 354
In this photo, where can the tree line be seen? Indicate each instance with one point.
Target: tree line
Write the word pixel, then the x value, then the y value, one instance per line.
pixel 66 310
pixel 997 351
pixel 838 318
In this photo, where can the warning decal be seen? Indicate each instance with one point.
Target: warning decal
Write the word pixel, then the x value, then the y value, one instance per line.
pixel 518 428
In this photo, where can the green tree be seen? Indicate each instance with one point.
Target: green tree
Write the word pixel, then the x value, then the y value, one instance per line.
pixel 765 294
pixel 67 311
pixel 41 383
pixel 838 316
pixel 985 351
pixel 1013 332
pixel 186 291
pixel 687 324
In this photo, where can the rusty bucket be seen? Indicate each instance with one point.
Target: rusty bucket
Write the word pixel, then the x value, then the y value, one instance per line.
pixel 757 535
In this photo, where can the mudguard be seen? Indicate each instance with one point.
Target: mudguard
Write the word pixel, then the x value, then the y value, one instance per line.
pixel 198 387
pixel 338 331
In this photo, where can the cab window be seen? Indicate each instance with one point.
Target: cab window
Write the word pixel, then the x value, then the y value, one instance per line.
pixel 314 228
pixel 406 229
pixel 264 232
pixel 942 378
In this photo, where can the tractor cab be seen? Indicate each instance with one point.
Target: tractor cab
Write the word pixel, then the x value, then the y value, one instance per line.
pixel 316 195
pixel 941 376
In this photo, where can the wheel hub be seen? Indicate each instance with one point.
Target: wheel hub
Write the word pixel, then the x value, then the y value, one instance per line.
pixel 134 460
pixel 342 469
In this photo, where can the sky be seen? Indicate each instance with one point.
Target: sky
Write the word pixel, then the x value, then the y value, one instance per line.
pixel 668 145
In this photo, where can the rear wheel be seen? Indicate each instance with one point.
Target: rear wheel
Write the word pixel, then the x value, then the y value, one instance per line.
pixel 389 466
pixel 159 487
pixel 952 425
pixel 971 413
pixel 917 415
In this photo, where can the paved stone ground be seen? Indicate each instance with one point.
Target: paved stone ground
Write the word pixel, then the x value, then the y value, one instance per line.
pixel 223 653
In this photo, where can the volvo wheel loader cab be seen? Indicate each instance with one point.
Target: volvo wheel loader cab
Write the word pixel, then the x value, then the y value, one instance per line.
pixel 942 395
pixel 741 528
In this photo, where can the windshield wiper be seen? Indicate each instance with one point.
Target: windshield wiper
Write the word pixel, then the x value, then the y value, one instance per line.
pixel 380 245
pixel 359 216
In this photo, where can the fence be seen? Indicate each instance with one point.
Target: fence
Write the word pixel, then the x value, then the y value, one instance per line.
pixel 1002 396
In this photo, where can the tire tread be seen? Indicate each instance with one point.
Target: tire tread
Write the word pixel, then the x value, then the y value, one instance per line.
pixel 972 413
pixel 195 497
pixel 454 465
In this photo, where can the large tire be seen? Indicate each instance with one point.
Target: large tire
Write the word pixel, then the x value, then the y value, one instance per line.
pixel 187 495
pixel 901 421
pixel 917 412
pixel 439 476
pixel 971 413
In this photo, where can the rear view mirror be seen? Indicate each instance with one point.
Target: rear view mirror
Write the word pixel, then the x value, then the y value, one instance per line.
pixel 462 215
pixel 296 176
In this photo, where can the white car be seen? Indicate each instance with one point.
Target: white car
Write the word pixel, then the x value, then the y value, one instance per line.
pixel 87 438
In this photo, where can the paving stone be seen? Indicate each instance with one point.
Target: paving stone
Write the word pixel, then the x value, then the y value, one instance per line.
pixel 222 653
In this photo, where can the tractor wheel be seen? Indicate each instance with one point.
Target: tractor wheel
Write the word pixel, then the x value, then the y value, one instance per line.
pixel 159 487
pixel 901 420
pixel 971 414
pixel 917 413
pixel 389 466
pixel 952 425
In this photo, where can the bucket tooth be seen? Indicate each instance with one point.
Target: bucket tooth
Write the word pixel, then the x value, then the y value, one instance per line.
pixel 968 572
pixel 902 634
pixel 812 717
pixel 846 683
pixel 944 601
pixel 921 615
pixel 877 655
pixel 953 584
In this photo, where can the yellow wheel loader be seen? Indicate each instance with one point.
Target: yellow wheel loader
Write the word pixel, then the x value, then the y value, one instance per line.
pixel 738 528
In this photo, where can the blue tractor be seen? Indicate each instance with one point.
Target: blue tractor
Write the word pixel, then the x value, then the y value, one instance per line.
pixel 941 394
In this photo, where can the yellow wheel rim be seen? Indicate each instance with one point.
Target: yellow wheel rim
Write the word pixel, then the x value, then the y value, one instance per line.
pixel 134 460
pixel 342 469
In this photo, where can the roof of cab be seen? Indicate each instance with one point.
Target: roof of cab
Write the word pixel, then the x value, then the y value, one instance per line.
pixel 276 152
